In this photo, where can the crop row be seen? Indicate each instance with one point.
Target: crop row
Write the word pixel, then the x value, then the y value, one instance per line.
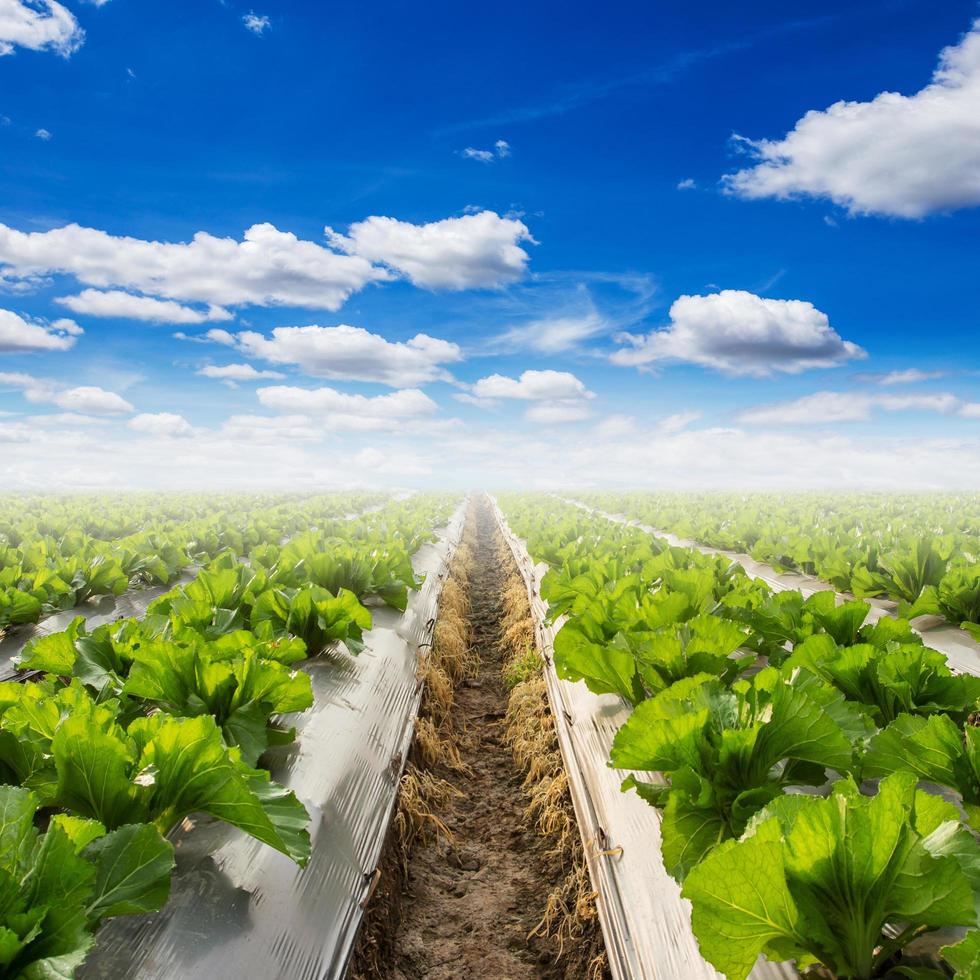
pixel 57 552
pixel 783 740
pixel 921 551
pixel 115 735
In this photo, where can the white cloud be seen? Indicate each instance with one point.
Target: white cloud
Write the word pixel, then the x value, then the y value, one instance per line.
pixel 66 419
pixel 122 305
pixel 18 335
pixel 558 396
pixel 906 156
pixel 213 336
pixel 678 421
pixel 562 410
pixel 475 250
pixel 38 25
pixel 349 412
pixel 970 410
pixel 238 372
pixel 274 429
pixel 270 267
pixel 255 23
pixel 484 156
pixel 42 134
pixel 346 353
pixel 615 427
pixel 532 386
pixel 161 424
pixel 267 268
pixel 300 452
pixel 552 335
pixel 909 376
pixel 824 407
pixel 218 336
pixel 688 184
pixel 87 399
pixel 501 149
pixel 737 332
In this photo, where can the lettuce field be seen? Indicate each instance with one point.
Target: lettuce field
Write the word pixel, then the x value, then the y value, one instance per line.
pixel 727 735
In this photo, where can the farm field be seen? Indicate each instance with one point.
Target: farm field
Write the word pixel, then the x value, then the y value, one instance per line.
pixel 736 723
pixel 489 492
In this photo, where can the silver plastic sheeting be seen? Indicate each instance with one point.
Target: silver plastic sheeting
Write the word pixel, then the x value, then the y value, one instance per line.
pixel 239 908
pixel 97 612
pixel 646 924
pixel 132 604
pixel 962 651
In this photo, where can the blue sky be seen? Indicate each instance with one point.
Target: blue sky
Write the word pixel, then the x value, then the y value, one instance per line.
pixel 625 252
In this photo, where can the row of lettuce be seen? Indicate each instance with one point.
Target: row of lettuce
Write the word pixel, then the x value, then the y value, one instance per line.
pixel 786 741
pixel 921 551
pixel 58 551
pixel 111 737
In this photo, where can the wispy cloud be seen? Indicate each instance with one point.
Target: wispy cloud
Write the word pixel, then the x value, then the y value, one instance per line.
pixel 558 312
pixel 500 150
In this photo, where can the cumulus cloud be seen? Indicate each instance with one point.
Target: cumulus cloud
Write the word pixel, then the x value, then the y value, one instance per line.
pixel 737 332
pixel 899 155
pixel 87 399
pixel 161 424
pixel 475 250
pixel 18 335
pixel 824 407
pixel 38 25
pixel 270 267
pixel 688 184
pixel 558 396
pixel 351 412
pixel 122 305
pixel 238 372
pixel 44 135
pixel 267 268
pixel 532 386
pixel 345 353
pixel 256 23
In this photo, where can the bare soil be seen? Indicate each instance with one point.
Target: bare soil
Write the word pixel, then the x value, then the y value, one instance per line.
pixel 469 908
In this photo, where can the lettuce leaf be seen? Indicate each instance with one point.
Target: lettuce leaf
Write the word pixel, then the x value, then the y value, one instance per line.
pixel 817 880
pixel 56 887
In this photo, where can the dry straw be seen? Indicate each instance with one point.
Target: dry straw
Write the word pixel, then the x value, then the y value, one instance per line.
pixel 570 915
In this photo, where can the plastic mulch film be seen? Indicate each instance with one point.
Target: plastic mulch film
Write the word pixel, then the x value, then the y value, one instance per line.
pixel 100 610
pixel 241 909
pixel 646 924
pixel 97 612
pixel 962 651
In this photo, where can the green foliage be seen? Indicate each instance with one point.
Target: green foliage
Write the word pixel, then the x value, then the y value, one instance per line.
pixel 56 887
pixel 909 679
pixel 728 752
pixel 817 880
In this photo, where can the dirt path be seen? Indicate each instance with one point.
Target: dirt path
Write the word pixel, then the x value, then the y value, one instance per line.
pixel 469 909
